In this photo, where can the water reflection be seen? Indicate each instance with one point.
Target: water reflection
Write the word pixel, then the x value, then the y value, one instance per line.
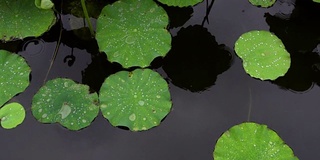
pixel 195 59
pixel 300 33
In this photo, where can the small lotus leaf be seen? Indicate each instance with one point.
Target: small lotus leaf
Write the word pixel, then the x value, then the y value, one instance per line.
pixel 14 75
pixel 11 115
pixel 263 54
pixel 180 3
pixel 251 141
pixel 262 3
pixel 44 4
pixel 66 102
pixel 20 19
pixel 138 100
pixel 133 32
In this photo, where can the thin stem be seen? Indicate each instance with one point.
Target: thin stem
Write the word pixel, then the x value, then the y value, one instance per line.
pixel 86 15
pixel 250 105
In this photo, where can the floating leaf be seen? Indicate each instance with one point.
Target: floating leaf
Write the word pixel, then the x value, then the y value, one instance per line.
pixel 133 32
pixel 263 54
pixel 11 115
pixel 251 141
pixel 66 102
pixel 44 4
pixel 138 100
pixel 180 3
pixel 20 19
pixel 318 1
pixel 14 75
pixel 262 3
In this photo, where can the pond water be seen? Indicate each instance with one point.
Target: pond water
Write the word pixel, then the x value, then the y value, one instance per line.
pixel 210 90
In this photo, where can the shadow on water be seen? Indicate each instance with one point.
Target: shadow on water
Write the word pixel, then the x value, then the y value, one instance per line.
pixel 299 31
pixel 196 59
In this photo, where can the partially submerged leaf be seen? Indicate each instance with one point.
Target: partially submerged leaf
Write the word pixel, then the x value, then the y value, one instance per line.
pixel 11 115
pixel 20 19
pixel 133 32
pixel 138 100
pixel 180 3
pixel 262 3
pixel 251 141
pixel 14 75
pixel 263 54
pixel 66 102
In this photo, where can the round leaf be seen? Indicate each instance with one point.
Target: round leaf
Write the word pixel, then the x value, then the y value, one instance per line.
pixel 251 141
pixel 263 54
pixel 14 75
pixel 138 100
pixel 11 115
pixel 133 32
pixel 66 102
pixel 180 3
pixel 20 19
pixel 262 3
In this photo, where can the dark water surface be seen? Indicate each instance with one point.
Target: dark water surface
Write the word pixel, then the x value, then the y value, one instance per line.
pixel 209 88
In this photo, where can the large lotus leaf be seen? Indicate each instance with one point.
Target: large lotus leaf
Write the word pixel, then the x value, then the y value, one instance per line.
pixel 20 19
pixel 180 3
pixel 262 3
pixel 263 54
pixel 11 115
pixel 133 32
pixel 14 75
pixel 66 102
pixel 251 141
pixel 138 100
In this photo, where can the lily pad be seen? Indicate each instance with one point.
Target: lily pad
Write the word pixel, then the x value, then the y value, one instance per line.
pixel 180 3
pixel 14 75
pixel 263 54
pixel 66 102
pixel 251 141
pixel 20 19
pixel 262 3
pixel 133 32
pixel 11 115
pixel 138 100
pixel 317 1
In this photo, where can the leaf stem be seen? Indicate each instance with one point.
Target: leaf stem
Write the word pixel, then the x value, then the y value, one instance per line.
pixel 86 15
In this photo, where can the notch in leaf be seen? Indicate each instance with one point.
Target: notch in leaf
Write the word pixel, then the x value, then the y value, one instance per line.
pixel 138 100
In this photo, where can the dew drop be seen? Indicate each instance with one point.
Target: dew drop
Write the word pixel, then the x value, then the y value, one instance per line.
pixel 44 115
pixel 84 121
pixel 132 117
pixel 103 106
pixel 141 103
pixel 65 110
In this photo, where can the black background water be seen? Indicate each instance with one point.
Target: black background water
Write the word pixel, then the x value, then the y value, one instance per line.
pixel 209 88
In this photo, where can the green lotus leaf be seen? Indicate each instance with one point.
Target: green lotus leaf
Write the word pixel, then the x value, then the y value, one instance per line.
pixel 263 54
pixel 66 102
pixel 180 3
pixel 318 1
pixel 251 141
pixel 262 3
pixel 11 115
pixel 14 75
pixel 138 100
pixel 44 4
pixel 20 19
pixel 133 32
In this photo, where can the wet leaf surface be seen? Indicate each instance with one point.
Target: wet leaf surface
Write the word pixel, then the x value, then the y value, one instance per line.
pixel 138 100
pixel 180 3
pixel 11 115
